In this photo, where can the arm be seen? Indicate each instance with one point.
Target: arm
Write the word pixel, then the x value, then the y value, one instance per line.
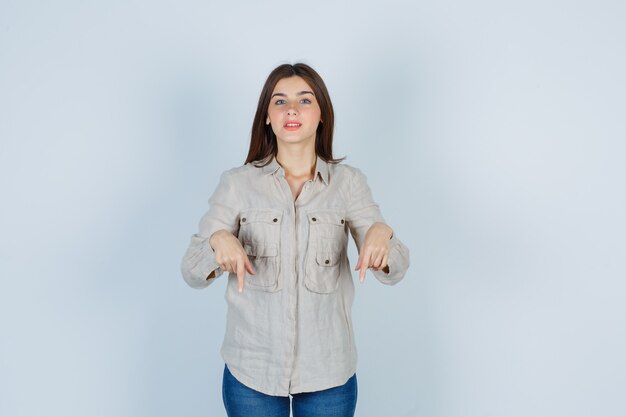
pixel 199 267
pixel 362 213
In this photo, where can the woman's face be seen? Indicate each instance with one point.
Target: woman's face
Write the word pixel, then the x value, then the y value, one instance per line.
pixel 293 101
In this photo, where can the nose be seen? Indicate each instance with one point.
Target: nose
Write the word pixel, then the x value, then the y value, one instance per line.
pixel 291 110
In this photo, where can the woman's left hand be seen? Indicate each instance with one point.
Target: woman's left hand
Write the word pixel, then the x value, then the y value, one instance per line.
pixel 374 249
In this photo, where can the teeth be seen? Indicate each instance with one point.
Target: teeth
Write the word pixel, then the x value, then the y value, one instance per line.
pixel 292 124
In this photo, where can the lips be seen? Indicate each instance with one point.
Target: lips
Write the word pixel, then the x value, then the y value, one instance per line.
pixel 292 125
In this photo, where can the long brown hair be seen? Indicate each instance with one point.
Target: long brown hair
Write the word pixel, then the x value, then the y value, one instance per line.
pixel 263 143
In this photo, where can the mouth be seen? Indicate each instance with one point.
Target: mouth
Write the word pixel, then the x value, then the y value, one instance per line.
pixel 292 125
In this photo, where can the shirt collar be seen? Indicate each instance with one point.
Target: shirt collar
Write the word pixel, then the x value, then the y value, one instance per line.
pixel 321 168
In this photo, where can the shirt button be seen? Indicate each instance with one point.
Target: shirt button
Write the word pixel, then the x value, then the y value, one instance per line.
pixel 243 220
pixel 326 261
pixel 275 219
pixel 341 221
pixel 314 219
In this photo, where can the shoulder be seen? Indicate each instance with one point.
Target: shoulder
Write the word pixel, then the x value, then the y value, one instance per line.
pixel 239 172
pixel 347 171
pixel 346 168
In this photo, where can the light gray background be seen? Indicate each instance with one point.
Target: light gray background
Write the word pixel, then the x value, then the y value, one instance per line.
pixel 492 134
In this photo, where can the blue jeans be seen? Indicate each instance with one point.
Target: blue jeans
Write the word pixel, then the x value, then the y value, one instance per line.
pixel 242 401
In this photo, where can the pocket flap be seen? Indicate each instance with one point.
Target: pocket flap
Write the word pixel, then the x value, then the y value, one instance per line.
pixel 261 249
pixel 328 216
pixel 327 258
pixel 272 216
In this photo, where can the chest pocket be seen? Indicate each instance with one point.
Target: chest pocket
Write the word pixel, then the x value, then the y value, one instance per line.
pixel 259 234
pixel 326 252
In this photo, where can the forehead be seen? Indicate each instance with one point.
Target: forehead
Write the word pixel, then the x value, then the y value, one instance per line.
pixel 291 85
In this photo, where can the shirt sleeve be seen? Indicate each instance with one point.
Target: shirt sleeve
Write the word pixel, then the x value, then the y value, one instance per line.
pixel 362 212
pixel 199 259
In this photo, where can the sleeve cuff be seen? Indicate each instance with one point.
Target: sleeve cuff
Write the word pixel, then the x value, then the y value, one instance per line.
pixel 199 263
pixel 397 262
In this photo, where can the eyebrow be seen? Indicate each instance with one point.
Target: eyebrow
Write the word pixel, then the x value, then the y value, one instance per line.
pixel 298 94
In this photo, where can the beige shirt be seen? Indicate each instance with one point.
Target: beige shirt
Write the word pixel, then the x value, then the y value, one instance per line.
pixel 290 330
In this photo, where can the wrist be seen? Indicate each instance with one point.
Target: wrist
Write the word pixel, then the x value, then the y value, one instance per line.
pixel 217 236
pixel 386 226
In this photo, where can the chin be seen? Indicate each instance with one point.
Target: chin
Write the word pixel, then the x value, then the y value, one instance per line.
pixel 290 140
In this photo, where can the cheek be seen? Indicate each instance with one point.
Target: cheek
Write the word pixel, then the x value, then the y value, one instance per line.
pixel 274 116
pixel 312 113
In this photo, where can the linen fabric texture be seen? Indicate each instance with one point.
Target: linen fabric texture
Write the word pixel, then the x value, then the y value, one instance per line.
pixel 290 330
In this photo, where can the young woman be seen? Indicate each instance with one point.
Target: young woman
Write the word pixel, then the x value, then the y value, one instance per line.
pixel 279 226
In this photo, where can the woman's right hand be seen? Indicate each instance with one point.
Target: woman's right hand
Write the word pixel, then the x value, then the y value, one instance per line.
pixel 230 255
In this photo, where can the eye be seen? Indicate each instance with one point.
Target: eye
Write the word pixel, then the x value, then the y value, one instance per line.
pixel 307 100
pixel 277 101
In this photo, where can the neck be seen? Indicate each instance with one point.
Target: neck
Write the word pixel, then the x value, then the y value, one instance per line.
pixel 297 163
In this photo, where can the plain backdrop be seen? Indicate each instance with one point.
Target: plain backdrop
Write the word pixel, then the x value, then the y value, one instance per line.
pixel 492 135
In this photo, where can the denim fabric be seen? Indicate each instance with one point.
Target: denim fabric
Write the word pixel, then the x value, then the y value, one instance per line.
pixel 290 330
pixel 242 401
